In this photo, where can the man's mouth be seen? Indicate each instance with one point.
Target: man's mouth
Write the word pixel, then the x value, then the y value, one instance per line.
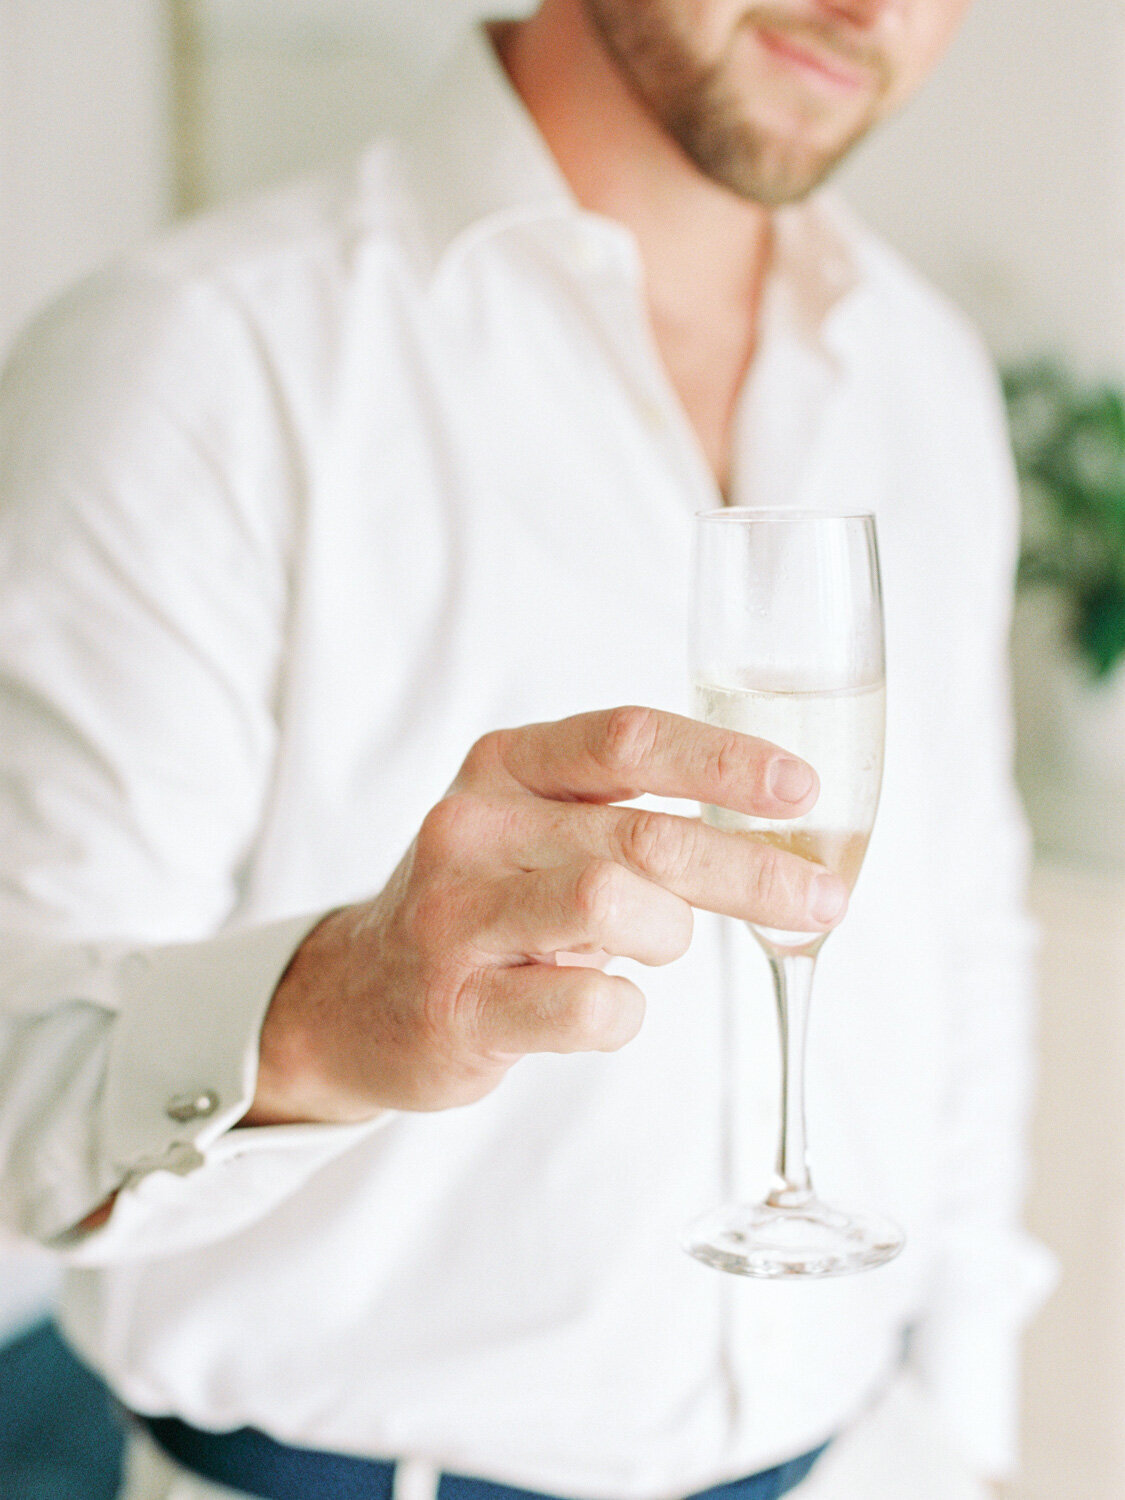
pixel 816 60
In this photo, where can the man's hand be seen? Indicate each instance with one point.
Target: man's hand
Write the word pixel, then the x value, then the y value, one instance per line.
pixel 422 998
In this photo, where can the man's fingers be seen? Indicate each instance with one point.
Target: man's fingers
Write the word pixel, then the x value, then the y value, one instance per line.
pixel 623 753
pixel 735 874
pixel 539 1008
pixel 586 906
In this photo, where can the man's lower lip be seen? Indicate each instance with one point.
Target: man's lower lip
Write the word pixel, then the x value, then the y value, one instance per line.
pixel 840 74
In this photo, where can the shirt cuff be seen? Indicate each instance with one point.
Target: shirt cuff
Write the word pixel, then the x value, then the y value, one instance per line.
pixel 181 1072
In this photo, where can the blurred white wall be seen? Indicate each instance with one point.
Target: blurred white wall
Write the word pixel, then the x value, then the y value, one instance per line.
pixel 84 139
pixel 1005 180
pixel 280 85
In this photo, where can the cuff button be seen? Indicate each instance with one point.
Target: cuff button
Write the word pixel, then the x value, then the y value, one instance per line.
pixel 186 1107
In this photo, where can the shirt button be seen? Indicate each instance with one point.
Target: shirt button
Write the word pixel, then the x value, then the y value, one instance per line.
pixel 186 1107
pixel 180 1158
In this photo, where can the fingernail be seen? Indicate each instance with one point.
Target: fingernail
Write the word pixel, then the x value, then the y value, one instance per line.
pixel 791 780
pixel 829 897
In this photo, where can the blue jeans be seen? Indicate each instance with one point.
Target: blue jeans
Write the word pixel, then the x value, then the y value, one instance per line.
pixel 60 1437
pixel 255 1464
pixel 765 1486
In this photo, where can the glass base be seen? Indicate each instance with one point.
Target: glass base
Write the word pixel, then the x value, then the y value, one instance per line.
pixel 806 1239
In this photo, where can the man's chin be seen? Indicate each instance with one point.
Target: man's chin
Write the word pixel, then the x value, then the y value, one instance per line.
pixel 774 185
pixel 774 174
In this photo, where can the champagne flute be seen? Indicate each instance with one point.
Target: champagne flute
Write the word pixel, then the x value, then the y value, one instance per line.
pixel 788 646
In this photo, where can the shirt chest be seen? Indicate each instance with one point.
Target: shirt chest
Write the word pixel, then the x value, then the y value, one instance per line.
pixel 497 529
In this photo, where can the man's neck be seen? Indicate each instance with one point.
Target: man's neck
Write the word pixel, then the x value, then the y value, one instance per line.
pixel 704 249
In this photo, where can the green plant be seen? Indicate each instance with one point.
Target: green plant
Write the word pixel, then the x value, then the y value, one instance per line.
pixel 1069 442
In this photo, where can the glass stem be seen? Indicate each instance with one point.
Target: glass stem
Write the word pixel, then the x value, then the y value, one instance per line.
pixel 792 980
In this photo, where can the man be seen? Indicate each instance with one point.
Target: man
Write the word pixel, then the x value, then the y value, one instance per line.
pixel 300 505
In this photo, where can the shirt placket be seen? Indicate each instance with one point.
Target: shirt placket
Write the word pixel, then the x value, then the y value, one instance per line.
pixel 608 263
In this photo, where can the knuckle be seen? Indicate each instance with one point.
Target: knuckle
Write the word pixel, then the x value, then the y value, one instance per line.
pixel 728 761
pixel 654 844
pixel 626 739
pixel 598 894
pixel 771 883
pixel 450 829
pixel 452 1021
pixel 483 758
pixel 466 1008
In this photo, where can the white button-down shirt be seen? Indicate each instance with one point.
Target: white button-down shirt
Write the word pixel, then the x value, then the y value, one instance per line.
pixel 296 504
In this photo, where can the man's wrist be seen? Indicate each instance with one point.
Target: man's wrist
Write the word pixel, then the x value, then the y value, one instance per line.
pixel 292 1084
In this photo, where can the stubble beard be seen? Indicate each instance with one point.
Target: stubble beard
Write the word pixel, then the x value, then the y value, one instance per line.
pixel 699 108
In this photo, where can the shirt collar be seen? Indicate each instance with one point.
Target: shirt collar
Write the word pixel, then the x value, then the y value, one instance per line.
pixel 474 158
pixel 476 163
pixel 815 267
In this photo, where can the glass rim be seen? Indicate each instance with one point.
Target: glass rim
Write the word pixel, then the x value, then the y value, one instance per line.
pixel 748 513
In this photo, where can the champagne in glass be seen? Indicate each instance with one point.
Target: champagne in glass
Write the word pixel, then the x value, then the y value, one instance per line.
pixel 840 732
pixel 788 646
